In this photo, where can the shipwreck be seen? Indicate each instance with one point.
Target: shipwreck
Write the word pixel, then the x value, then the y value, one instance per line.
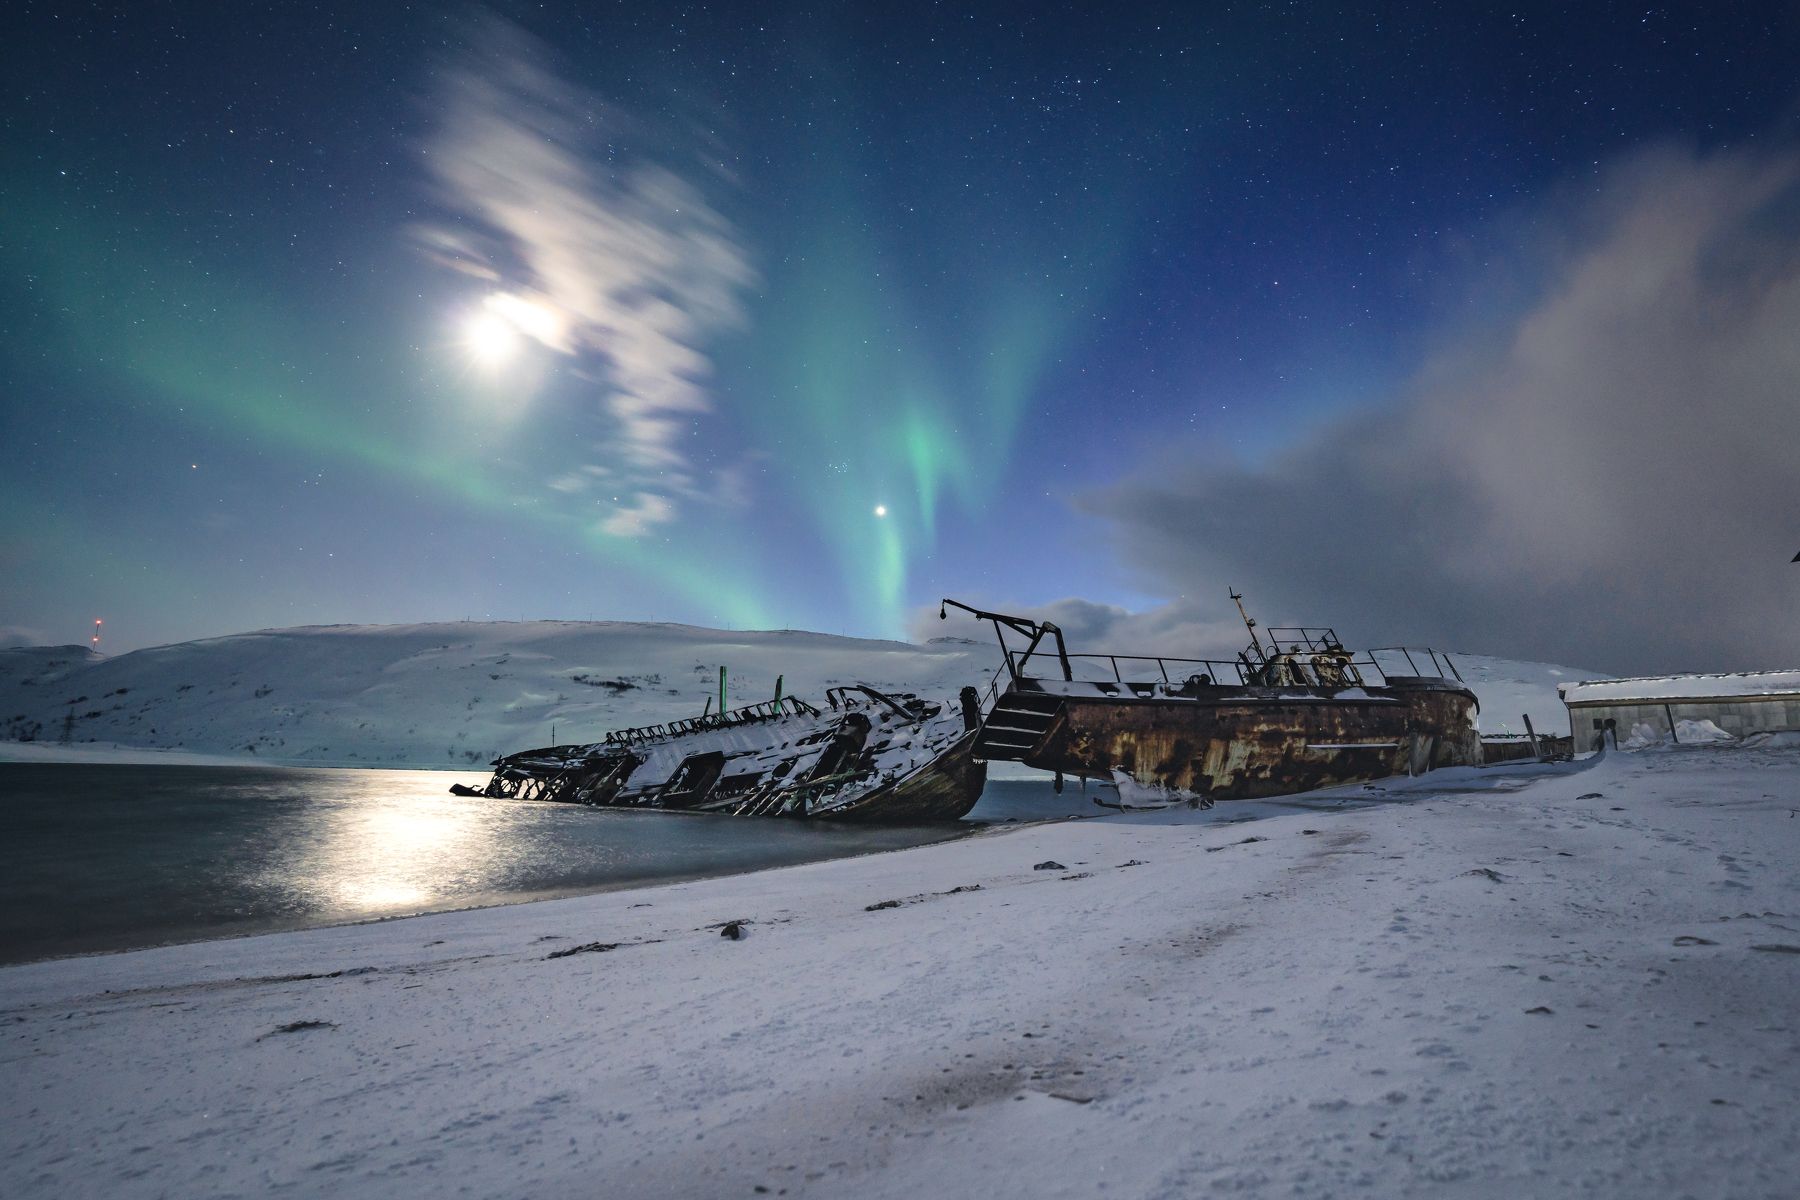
pixel 867 756
pixel 1294 711
pixel 1297 713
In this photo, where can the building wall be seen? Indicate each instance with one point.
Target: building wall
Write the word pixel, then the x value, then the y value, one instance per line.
pixel 1740 716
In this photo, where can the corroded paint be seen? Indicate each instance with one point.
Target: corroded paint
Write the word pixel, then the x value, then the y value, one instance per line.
pixel 1228 743
pixel 944 791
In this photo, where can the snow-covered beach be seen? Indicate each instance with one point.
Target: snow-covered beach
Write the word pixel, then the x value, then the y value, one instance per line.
pixel 1514 981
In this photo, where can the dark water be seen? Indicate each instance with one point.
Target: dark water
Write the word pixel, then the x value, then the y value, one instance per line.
pixel 106 857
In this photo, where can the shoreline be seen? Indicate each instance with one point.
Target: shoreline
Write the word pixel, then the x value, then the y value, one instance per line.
pixel 547 897
pixel 121 754
pixel 562 851
pixel 1570 981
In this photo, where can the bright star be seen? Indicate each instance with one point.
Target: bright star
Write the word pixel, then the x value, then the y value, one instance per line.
pixel 881 510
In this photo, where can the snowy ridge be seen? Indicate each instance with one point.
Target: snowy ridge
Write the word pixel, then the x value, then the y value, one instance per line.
pixel 1509 689
pixel 458 694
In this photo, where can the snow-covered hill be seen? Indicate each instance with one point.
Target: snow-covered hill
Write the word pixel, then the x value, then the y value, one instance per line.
pixel 445 694
pixel 458 694
pixel 1509 689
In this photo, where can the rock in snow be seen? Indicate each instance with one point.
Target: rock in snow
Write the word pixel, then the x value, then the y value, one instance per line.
pixel 1351 1013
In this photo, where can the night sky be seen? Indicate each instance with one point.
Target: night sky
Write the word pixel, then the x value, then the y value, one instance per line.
pixel 785 316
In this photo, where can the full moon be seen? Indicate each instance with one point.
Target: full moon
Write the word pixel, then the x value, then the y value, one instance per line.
pixel 881 510
pixel 491 339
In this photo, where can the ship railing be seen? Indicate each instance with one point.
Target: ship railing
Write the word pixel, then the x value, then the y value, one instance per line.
pixel 1105 668
pixel 766 710
pixel 1306 638
pixel 1298 655
pixel 990 696
pixel 1441 665
pixel 1373 667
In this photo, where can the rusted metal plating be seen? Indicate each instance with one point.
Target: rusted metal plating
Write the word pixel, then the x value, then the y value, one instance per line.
pixel 1232 743
pixel 1301 713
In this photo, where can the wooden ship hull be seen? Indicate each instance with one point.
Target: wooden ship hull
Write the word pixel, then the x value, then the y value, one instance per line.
pixel 870 757
pixel 1265 724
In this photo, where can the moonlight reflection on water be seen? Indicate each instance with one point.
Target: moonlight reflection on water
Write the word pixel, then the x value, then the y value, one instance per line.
pixel 105 857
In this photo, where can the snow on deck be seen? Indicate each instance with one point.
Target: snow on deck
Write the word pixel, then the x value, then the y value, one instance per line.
pixel 1517 981
pixel 1683 687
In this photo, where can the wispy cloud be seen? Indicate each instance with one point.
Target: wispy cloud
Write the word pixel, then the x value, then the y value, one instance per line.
pixel 1609 479
pixel 638 515
pixel 1171 629
pixel 594 249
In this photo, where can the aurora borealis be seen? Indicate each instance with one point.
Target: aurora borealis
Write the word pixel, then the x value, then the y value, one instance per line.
pixel 774 316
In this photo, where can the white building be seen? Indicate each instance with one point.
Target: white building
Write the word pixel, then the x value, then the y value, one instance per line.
pixel 1654 707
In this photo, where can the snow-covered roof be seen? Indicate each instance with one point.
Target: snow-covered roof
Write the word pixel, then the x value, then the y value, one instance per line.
pixel 1682 687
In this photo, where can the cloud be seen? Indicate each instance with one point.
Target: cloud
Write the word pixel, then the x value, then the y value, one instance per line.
pixel 642 513
pixel 1170 630
pixel 598 251
pixel 1610 478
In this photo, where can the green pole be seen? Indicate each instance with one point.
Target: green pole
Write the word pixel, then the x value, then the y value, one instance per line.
pixel 721 690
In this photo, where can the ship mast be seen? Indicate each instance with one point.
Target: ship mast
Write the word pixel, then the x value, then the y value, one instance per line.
pixel 1250 624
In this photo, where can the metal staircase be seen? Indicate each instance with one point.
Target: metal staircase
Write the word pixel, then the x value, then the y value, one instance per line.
pixel 1018 722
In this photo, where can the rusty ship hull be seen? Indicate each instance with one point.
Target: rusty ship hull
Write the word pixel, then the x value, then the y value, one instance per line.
pixel 1235 742
pixel 1296 714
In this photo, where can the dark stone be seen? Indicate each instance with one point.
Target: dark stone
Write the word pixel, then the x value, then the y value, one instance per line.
pixel 584 948
pixel 299 1027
